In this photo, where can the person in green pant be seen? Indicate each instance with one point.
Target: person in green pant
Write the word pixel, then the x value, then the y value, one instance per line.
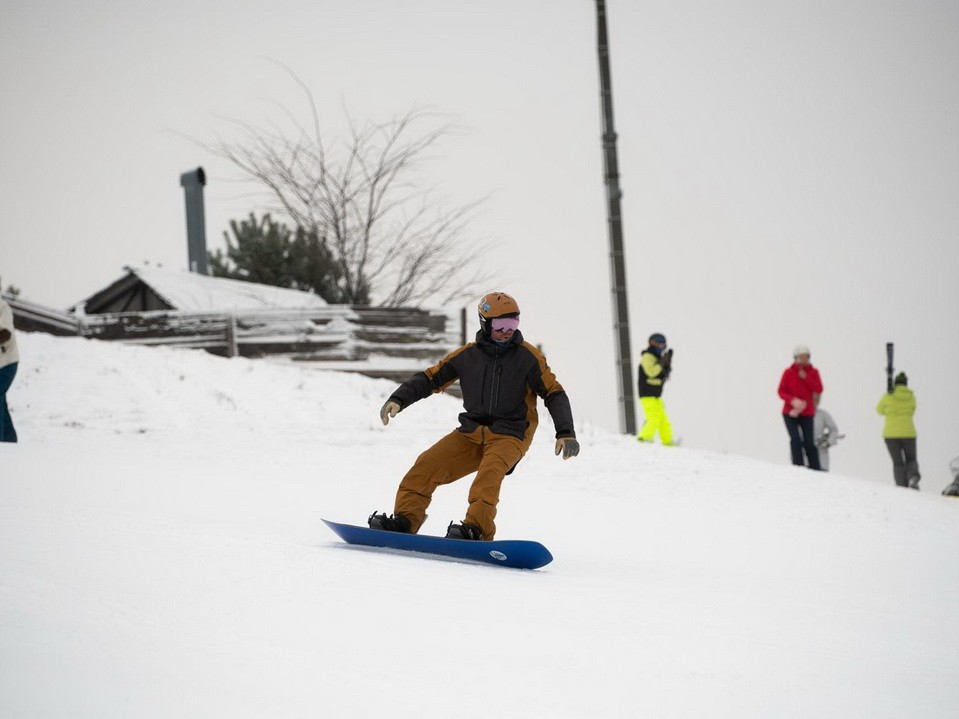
pixel 899 431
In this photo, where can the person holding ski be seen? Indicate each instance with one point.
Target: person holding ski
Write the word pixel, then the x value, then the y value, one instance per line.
pixel 899 431
pixel 800 388
pixel 500 376
pixel 655 365
pixel 9 361
pixel 827 435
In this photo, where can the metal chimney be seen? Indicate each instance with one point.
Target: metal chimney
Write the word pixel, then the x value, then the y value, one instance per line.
pixel 192 183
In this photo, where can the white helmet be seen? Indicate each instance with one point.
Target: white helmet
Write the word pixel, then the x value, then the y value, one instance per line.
pixel 801 350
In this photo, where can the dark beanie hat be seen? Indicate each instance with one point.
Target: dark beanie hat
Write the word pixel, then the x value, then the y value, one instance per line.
pixel 902 379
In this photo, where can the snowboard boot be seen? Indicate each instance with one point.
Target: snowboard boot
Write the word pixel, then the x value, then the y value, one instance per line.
pixel 914 482
pixel 952 490
pixel 463 531
pixel 391 523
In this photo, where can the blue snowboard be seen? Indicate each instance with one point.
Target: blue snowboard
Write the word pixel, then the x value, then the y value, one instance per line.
pixel 517 553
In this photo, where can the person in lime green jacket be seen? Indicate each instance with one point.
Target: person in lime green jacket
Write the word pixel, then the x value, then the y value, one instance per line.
pixel 899 406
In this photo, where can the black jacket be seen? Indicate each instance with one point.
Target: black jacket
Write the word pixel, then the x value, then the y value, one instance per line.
pixel 500 384
pixel 653 372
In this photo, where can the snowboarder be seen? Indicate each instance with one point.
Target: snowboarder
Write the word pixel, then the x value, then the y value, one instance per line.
pixel 9 360
pixel 899 432
pixel 800 388
pixel 500 377
pixel 827 435
pixel 655 365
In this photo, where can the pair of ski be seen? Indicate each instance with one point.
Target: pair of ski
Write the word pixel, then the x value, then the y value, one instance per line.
pixel 517 553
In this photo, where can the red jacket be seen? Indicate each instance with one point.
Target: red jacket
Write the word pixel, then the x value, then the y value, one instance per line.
pixel 792 385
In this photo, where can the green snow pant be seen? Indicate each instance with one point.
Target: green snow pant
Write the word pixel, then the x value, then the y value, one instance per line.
pixel 656 421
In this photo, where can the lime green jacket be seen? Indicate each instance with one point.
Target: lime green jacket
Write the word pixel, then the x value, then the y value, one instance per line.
pixel 899 407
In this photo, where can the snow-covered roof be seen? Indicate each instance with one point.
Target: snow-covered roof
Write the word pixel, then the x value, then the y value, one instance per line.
pixel 191 292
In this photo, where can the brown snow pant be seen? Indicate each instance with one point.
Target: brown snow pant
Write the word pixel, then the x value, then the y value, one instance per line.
pixel 457 454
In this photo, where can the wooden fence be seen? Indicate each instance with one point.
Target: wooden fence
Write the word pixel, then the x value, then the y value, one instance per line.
pixel 30 317
pixel 337 333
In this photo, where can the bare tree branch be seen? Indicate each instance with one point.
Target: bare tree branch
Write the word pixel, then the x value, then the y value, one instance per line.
pixel 393 245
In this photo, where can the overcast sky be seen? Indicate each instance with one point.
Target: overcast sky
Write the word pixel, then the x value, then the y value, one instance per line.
pixel 791 174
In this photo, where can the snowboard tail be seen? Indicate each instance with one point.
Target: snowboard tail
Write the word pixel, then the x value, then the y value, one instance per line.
pixel 517 553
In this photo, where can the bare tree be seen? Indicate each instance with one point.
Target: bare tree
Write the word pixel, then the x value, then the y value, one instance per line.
pixel 389 240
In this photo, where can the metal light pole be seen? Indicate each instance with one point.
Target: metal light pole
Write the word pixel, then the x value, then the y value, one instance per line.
pixel 627 419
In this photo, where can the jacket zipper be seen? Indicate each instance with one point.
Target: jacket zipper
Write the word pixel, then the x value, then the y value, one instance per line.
pixel 494 388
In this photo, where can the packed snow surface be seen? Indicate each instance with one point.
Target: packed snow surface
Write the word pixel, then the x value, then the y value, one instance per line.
pixel 162 555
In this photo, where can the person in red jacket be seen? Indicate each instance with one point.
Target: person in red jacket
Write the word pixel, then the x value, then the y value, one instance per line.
pixel 800 388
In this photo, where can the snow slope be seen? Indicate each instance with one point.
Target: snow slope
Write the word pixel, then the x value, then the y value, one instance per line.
pixel 161 555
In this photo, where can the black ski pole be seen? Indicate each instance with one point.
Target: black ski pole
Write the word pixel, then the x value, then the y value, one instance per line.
pixel 889 369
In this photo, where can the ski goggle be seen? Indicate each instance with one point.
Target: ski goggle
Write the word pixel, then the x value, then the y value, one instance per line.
pixel 504 324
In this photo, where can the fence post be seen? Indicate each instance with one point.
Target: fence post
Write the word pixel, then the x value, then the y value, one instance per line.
pixel 231 346
pixel 462 326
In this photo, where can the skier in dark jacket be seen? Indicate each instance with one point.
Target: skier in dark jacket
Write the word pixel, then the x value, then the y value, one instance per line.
pixel 501 376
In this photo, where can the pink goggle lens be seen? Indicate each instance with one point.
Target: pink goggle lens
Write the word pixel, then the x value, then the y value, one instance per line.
pixel 502 324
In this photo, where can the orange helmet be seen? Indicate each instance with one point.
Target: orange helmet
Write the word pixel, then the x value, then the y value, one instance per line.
pixel 497 304
pixel 493 305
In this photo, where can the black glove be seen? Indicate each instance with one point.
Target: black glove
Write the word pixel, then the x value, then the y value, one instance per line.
pixel 667 359
pixel 568 446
